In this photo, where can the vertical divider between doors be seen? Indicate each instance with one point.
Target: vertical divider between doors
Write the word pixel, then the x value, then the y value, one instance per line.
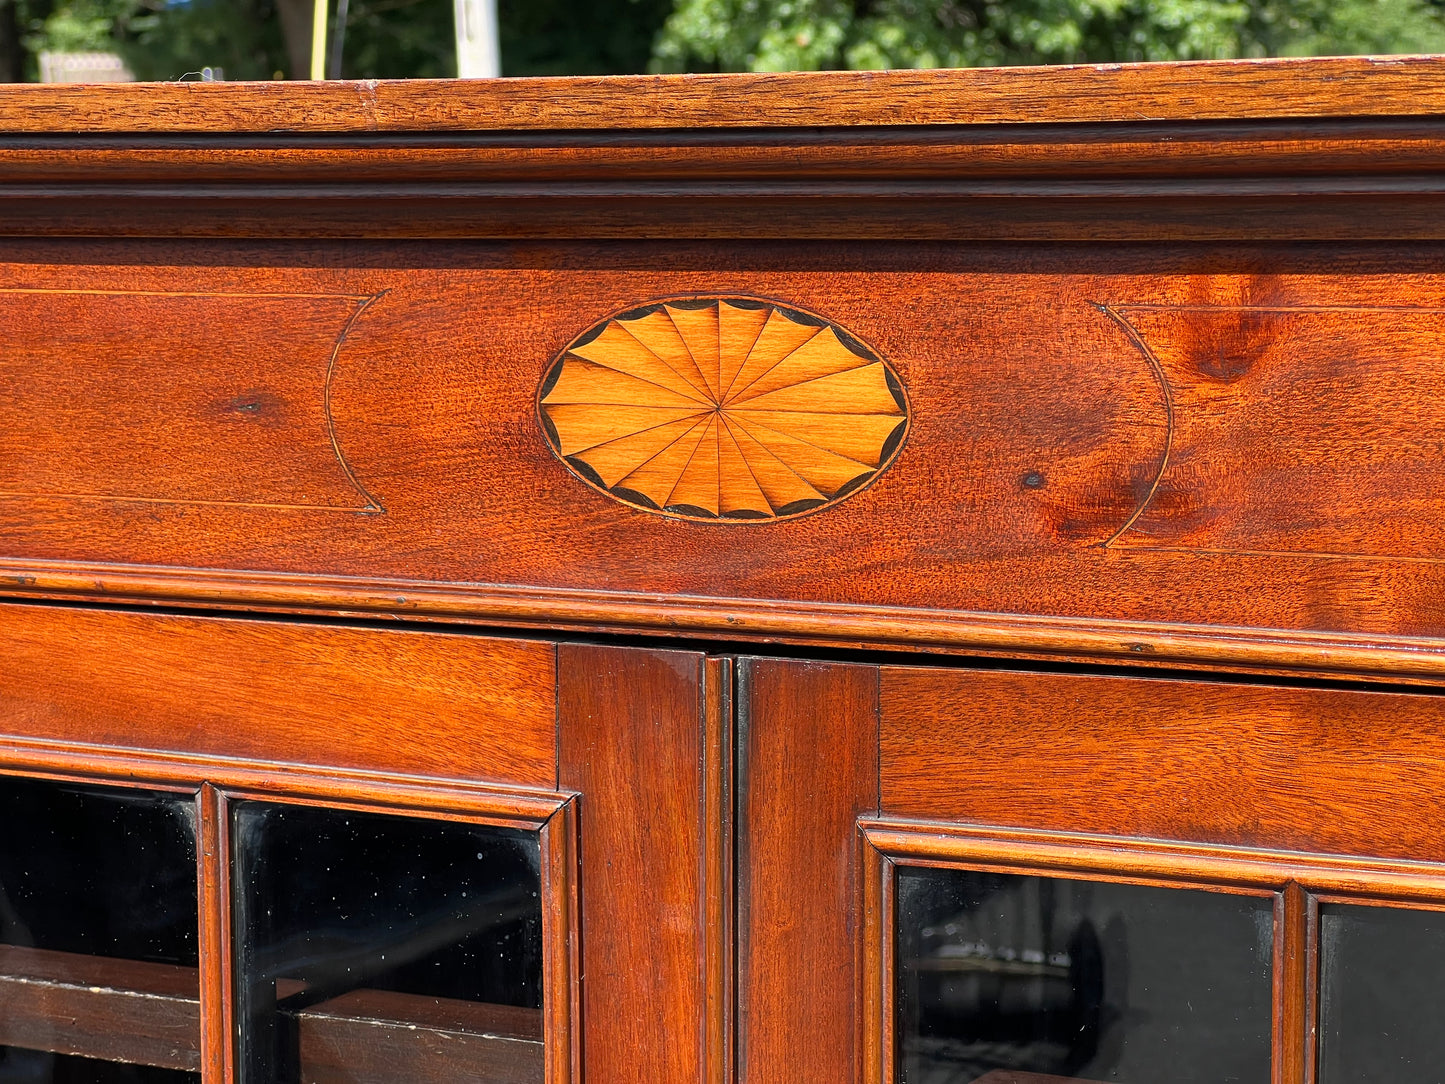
pixel 217 1023
pixel 742 861
pixel 632 747
pixel 1293 992
pixel 808 769
pixel 719 901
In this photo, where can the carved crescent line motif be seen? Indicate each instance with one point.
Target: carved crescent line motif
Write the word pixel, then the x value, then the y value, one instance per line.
pixel 723 408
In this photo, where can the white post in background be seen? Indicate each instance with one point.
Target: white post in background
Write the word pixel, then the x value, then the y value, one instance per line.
pixel 479 53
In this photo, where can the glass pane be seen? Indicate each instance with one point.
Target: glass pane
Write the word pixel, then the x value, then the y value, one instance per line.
pixel 384 948
pixel 1382 971
pixel 98 908
pixel 1030 980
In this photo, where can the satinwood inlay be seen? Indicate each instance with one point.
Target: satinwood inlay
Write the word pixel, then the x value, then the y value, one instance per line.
pixel 730 408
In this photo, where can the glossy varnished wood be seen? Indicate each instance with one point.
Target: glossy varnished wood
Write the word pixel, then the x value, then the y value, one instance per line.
pixel 402 703
pixel 719 887
pixel 1203 761
pixel 216 964
pixel 561 1015
pixel 1142 448
pixel 1135 860
pixel 1094 513
pixel 722 408
pixel 364 441
pixel 380 1036
pixel 640 745
pixel 969 177
pixel 1297 882
pixel 1296 983
pixel 367 349
pixel 95 1007
pixel 808 769
pixel 1295 88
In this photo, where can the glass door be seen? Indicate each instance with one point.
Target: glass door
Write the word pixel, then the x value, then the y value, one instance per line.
pixel 366 943
pixel 98 931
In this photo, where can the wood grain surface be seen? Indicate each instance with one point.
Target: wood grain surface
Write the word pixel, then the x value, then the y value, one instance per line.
pixel 718 962
pixel 1144 861
pixel 722 408
pixel 808 768
pixel 1405 148
pixel 1297 882
pixel 380 1036
pixel 1186 438
pixel 562 947
pixel 1381 86
pixel 1296 984
pixel 226 403
pixel 635 745
pixel 97 1007
pixel 1130 178
pixel 1289 768
pixel 402 703
pixel 1286 426
pixel 217 1024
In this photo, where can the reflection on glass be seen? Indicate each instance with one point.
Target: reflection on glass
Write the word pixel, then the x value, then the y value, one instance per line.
pixel 1382 973
pixel 97 934
pixel 378 948
pixel 1007 979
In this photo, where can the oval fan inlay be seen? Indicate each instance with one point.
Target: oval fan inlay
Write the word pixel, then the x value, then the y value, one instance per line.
pixel 727 408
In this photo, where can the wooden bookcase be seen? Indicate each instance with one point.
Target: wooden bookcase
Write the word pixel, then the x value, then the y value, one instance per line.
pixel 918 567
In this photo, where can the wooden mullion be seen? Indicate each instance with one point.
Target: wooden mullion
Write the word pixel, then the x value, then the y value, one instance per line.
pixel 1296 917
pixel 876 990
pixel 214 867
pixel 1312 987
pixel 561 987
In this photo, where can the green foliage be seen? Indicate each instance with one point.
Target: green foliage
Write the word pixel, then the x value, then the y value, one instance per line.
pixel 83 26
pixel 165 39
pixel 578 37
pixel 399 39
pixel 170 41
pixel 780 35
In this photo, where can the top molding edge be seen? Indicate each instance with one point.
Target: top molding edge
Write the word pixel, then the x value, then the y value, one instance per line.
pixel 1400 86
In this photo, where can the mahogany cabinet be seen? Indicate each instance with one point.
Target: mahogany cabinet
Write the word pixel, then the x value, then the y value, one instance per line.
pixel 906 578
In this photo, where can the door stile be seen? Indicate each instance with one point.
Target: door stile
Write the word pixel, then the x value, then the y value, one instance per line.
pixel 632 747
pixel 218 1051
pixel 877 970
pixel 808 769
pixel 717 960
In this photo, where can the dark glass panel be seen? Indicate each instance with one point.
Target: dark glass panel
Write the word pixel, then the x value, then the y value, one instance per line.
pixel 36 1067
pixel 1382 990
pixel 1002 977
pixel 370 945
pixel 97 934
pixel 101 871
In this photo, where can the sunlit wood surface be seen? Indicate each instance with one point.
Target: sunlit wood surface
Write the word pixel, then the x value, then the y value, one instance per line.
pixel 723 408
